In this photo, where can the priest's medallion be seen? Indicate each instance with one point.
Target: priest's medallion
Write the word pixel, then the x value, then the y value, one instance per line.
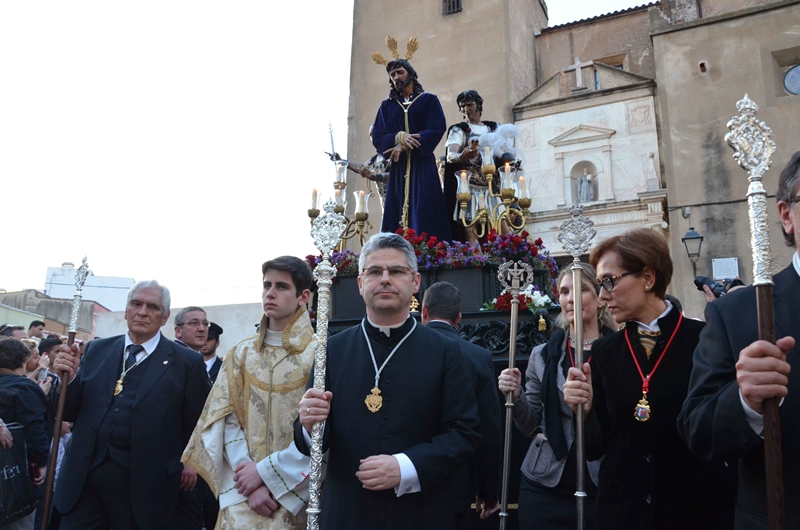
pixel 642 411
pixel 374 401
pixel 118 387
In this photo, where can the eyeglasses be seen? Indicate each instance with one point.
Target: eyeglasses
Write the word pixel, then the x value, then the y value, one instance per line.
pixel 607 283
pixel 396 271
pixel 195 324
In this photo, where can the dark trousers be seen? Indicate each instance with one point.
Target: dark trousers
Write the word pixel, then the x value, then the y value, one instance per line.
pixel 542 507
pixel 196 509
pixel 105 502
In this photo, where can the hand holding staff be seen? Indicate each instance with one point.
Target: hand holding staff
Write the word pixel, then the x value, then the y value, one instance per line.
pixel 576 234
pixel 753 147
pixel 520 280
pixel 65 371
pixel 327 232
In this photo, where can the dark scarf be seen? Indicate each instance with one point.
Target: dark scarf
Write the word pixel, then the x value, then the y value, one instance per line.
pixel 550 397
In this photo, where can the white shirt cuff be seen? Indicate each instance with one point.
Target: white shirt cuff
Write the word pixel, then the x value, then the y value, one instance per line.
pixel 409 480
pixel 307 437
pixel 754 419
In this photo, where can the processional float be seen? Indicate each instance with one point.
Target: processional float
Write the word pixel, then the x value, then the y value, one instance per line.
pixel 80 279
pixel 753 147
pixel 520 274
pixel 326 231
pixel 576 235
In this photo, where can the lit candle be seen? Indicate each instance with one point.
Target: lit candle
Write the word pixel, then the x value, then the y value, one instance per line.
pixel 481 201
pixel 507 179
pixel 464 183
pixel 523 188
pixel 361 202
pixel 341 171
pixel 314 199
pixel 338 197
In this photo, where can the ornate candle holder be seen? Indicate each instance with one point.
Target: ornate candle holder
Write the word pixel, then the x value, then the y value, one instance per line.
pixel 488 217
pixel 356 227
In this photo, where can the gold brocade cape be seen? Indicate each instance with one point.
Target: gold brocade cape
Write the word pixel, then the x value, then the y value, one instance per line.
pixel 263 385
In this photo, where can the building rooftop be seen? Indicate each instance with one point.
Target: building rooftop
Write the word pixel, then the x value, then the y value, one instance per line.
pixel 613 14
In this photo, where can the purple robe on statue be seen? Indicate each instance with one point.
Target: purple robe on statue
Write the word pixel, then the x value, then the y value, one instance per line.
pixel 426 207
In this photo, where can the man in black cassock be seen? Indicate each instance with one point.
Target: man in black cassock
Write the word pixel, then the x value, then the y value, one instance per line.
pixel 391 455
pixel 734 372
pixel 397 139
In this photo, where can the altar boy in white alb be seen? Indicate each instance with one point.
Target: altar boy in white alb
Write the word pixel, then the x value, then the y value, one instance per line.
pixel 242 444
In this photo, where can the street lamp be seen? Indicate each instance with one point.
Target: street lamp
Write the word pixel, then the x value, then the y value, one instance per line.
pixel 693 241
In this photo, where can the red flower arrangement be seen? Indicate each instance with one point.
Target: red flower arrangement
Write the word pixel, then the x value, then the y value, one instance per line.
pixel 431 252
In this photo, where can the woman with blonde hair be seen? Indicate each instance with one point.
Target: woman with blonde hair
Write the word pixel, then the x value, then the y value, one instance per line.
pixel 632 392
pixel 547 488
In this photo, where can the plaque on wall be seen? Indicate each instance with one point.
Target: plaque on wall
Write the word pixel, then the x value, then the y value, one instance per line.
pixel 723 268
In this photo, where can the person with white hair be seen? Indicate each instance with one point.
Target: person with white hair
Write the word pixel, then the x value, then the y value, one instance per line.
pixel 134 402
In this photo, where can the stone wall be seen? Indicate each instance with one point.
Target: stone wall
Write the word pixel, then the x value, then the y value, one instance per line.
pixel 703 68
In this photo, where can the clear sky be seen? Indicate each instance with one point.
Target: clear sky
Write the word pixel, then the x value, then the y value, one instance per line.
pixel 173 140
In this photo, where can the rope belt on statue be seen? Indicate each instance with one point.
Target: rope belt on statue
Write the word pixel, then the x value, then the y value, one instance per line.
pixel 404 218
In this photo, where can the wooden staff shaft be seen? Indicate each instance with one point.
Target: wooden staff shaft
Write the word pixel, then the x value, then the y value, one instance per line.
pixel 773 458
pixel 51 466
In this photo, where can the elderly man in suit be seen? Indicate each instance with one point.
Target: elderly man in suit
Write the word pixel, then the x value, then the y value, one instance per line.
pixel 734 373
pixel 441 311
pixel 134 403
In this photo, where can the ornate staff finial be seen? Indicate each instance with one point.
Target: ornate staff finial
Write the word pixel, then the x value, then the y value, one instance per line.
pixel 753 147
pixel 80 279
pixel 520 274
pixel 577 232
pixel 326 232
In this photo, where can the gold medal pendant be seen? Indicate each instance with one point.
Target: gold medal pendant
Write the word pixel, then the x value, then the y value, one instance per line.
pixel 118 387
pixel 374 401
pixel 642 410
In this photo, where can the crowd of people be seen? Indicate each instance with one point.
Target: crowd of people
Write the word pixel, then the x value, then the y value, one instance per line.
pixel 161 433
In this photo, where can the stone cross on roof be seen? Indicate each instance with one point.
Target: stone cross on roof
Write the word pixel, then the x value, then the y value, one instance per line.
pixel 578 73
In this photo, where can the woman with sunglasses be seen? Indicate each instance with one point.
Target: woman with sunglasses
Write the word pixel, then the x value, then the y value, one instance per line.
pixel 547 487
pixel 633 393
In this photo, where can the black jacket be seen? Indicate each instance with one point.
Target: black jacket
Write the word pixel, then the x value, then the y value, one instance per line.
pixel 649 479
pixel 214 372
pixel 483 475
pixel 167 406
pixel 713 422
pixel 23 402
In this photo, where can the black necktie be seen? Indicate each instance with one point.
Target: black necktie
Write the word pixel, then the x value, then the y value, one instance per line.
pixel 130 361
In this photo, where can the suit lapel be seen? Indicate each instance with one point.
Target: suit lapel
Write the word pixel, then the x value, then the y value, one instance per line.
pixel 160 363
pixel 113 364
pixel 212 374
